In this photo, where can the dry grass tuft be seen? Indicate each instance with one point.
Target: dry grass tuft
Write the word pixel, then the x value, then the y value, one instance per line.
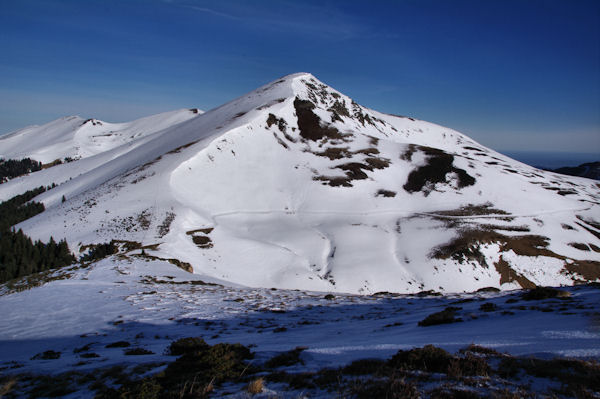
pixel 256 386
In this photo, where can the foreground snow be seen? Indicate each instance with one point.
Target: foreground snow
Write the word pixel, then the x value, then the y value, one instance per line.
pixel 151 303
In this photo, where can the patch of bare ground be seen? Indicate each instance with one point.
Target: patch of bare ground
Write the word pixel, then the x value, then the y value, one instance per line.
pixel 467 247
pixel 200 237
pixel 409 152
pixel 580 246
pixel 182 265
pixel 509 275
pixel 385 193
pixel 590 225
pixel 310 124
pixel 165 226
pixel 280 122
pixel 335 153
pixel 438 165
pixel 338 109
pixel 466 147
pixel 354 171
pixel 474 210
pixel 588 269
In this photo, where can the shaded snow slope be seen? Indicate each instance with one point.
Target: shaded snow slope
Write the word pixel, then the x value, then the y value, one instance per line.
pixel 294 185
pixel 149 304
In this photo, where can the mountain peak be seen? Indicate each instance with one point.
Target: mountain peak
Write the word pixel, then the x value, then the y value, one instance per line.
pixel 295 185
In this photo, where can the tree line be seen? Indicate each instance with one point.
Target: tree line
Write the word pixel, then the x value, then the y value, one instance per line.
pixel 11 168
pixel 19 255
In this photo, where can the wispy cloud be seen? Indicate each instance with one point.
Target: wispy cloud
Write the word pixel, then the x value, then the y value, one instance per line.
pixel 325 21
pixel 213 12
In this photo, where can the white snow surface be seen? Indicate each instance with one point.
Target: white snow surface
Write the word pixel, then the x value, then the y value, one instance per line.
pixel 241 195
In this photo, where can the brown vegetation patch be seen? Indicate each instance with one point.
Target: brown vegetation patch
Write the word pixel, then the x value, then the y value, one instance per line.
pixel 288 358
pixel 281 142
pixel 178 149
pixel 508 275
pixel 409 152
pixel 580 246
pixel 353 171
pixel 256 386
pixel 165 226
pixel 334 181
pixel 445 316
pixel 466 247
pixel 51 164
pixel 344 152
pixel 473 348
pixel 377 162
pixel 385 193
pixel 335 153
pixel 539 293
pixel 474 210
pixel 588 269
pixel 338 109
pixel 466 147
pixel 310 124
pixel 368 151
pixel 202 241
pixel 280 122
pixel 521 229
pixel 200 237
pixel 439 164
pixel 361 116
pixel 389 388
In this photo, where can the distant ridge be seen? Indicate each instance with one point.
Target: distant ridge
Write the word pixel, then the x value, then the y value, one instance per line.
pixel 591 170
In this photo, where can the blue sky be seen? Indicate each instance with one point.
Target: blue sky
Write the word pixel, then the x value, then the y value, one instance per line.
pixel 514 75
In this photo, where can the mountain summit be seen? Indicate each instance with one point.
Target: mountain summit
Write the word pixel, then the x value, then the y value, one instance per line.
pixel 294 185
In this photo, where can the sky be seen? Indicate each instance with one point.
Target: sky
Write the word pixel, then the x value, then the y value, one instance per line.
pixel 512 74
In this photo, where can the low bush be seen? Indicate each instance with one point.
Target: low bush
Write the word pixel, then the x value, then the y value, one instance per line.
pixel 137 352
pixel 47 355
pixel 288 358
pixel 118 344
pixel 428 358
pixel 187 345
pixel 444 317
pixel 538 293
pixel 389 388
pixel 488 307
pixel 365 366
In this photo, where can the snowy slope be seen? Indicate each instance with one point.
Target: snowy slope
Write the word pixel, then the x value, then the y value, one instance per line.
pixel 74 137
pixel 296 186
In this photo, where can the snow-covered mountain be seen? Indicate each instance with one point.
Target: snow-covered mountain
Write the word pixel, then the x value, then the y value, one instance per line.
pixel 294 185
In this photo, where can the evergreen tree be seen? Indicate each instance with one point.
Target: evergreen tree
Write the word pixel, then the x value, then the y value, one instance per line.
pixel 19 256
